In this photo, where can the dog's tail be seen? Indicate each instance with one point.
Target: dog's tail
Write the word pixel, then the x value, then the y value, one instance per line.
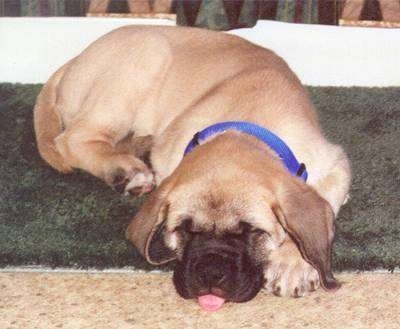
pixel 48 124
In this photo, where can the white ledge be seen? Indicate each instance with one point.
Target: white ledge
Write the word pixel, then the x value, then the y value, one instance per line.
pixel 33 48
pixel 133 270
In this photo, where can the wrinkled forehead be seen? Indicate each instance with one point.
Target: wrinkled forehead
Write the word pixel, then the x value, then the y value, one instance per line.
pixel 222 209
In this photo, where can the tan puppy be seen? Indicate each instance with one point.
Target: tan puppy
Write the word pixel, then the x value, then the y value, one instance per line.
pixel 230 212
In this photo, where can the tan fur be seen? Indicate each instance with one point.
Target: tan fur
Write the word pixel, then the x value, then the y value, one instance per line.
pixel 169 83
pixel 48 123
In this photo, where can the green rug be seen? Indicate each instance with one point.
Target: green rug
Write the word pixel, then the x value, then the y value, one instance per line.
pixel 77 221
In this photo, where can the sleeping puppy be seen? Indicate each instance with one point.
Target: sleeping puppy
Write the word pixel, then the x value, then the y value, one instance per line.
pixel 247 186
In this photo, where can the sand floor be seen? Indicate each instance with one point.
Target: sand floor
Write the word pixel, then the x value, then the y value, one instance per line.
pixel 131 300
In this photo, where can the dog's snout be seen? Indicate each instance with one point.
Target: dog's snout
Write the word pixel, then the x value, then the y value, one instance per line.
pixel 211 269
pixel 210 277
pixel 222 268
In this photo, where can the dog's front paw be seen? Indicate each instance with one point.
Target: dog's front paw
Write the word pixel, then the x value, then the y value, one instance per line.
pixel 288 274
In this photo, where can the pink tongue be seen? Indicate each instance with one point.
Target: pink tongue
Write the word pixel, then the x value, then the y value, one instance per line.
pixel 210 302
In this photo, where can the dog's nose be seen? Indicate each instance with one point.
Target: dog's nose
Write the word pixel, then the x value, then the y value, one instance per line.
pixel 213 275
pixel 212 269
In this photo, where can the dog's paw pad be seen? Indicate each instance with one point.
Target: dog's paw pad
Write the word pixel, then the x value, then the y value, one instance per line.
pixel 119 181
pixel 141 183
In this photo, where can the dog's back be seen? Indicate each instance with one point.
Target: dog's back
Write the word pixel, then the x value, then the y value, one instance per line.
pixel 146 79
pixel 174 66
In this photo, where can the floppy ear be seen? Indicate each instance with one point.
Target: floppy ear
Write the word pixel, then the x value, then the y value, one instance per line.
pixel 147 229
pixel 309 220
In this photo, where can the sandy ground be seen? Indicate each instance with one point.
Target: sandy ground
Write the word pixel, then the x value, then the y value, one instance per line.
pixel 83 300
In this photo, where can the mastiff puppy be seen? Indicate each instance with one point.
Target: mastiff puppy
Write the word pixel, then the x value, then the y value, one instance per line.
pixel 246 186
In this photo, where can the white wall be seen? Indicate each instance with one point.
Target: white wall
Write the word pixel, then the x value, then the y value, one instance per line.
pixel 333 55
pixel 32 48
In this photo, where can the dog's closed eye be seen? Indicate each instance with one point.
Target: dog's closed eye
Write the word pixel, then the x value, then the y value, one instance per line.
pixel 246 228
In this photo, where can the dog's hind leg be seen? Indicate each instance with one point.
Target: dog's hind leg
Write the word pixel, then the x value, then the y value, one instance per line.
pixel 97 152
pixel 139 146
pixel 48 123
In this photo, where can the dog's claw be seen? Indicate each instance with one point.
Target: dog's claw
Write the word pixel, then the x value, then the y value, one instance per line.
pixel 277 291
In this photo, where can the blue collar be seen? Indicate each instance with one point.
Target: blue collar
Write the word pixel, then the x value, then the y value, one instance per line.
pixel 263 134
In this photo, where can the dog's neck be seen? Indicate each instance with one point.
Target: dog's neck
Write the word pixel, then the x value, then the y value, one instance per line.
pixel 233 156
pixel 272 141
